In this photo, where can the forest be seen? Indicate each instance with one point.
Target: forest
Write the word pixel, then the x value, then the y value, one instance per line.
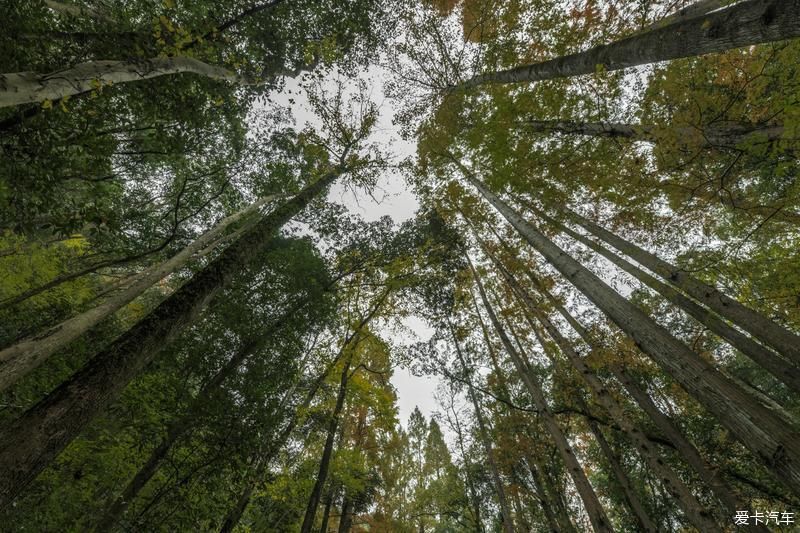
pixel 228 227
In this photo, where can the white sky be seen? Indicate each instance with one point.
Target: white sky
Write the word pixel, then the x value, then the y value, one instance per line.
pixel 391 197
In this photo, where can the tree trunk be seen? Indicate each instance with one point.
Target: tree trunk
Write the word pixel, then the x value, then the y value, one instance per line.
pixel 544 500
pixel 326 513
pixel 31 442
pixel 23 357
pixel 78 11
pixel 717 134
pixel 473 495
pixel 594 509
pixel 783 341
pixel 781 369
pixel 746 23
pixel 505 510
pixel 692 10
pixel 694 510
pixel 346 520
pixel 181 425
pixel 629 492
pixel 27 87
pixel 327 452
pixel 760 430
pixel 707 473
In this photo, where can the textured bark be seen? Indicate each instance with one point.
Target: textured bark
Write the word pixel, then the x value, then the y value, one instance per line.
pixel 782 340
pixel 746 23
pixel 693 509
pixel 327 452
pixel 707 473
pixel 505 510
pixel 629 492
pixel 553 503
pixel 692 10
pixel 717 134
pixel 23 357
pixel 781 369
pixel 78 11
pixel 594 509
pixel 27 87
pixel 763 432
pixel 32 441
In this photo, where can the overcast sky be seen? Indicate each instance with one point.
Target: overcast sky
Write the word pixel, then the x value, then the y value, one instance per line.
pixel 391 197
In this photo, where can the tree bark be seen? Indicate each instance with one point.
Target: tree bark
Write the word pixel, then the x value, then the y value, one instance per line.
pixel 181 425
pixel 719 134
pixel 693 509
pixel 763 432
pixel 505 510
pixel 31 442
pixel 746 23
pixel 591 503
pixel 326 513
pixel 688 452
pixel 473 495
pixel 27 87
pixel 327 452
pixel 23 357
pixel 781 369
pixel 782 340
pixel 692 10
pixel 629 492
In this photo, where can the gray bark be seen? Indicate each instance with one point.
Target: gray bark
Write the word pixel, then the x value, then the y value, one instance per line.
pixel 505 510
pixel 782 340
pixel 719 134
pixel 28 87
pixel 708 474
pixel 25 356
pixel 594 509
pixel 746 23
pixel 629 492
pixel 694 510
pixel 781 369
pixel 764 433
pixel 32 441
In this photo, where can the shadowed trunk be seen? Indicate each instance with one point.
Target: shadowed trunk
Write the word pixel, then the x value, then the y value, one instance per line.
pixel 746 23
pixel 31 442
pixel 763 432
pixel 18 360
pixel 594 509
pixel 505 510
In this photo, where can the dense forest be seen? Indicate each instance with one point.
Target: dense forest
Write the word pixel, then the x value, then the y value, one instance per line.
pixel 200 327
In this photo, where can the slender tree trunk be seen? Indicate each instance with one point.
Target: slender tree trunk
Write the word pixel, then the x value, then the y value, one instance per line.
pixel 327 452
pixel 694 510
pixel 760 430
pixel 505 510
pixel 707 473
pixel 235 513
pixel 692 10
pixel 594 509
pixel 18 360
pixel 781 369
pixel 553 504
pixel 346 520
pixel 746 23
pixel 629 492
pixel 181 425
pixel 31 442
pixel 78 11
pixel 469 482
pixel 27 87
pixel 717 134
pixel 326 513
pixel 782 340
